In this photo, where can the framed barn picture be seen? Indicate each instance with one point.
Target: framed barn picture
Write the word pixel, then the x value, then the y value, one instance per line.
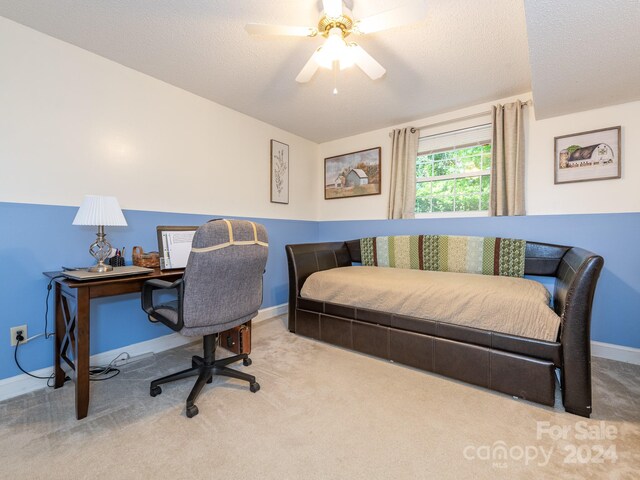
pixel 352 174
pixel 279 172
pixel 593 155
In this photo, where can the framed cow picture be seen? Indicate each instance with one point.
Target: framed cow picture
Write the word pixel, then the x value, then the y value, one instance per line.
pixel 352 174
pixel 593 155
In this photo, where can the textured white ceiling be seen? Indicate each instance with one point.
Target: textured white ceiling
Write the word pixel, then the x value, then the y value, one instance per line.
pixel 584 53
pixel 466 52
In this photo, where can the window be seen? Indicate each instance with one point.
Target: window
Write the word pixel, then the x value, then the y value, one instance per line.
pixel 453 173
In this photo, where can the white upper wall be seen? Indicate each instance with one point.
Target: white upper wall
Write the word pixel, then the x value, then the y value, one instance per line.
pixel 542 196
pixel 74 123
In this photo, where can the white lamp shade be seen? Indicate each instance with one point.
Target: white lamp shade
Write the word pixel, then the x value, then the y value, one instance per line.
pixel 99 210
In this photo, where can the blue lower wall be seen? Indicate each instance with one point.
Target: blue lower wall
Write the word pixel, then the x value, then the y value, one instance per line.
pixel 616 237
pixel 39 238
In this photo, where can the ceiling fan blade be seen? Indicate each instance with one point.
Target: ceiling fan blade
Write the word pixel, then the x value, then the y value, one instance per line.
pixel 366 62
pixel 264 29
pixel 332 8
pixel 308 70
pixel 412 11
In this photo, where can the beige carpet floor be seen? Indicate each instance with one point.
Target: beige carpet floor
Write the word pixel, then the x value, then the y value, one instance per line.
pixel 322 413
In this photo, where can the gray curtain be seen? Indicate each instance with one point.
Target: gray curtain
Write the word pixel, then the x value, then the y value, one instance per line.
pixel 404 150
pixel 507 166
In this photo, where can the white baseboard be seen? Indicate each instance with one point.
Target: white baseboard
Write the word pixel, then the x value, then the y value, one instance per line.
pixel 20 384
pixel 616 352
pixel 271 312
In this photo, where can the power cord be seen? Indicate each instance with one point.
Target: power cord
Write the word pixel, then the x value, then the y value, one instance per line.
pixel 20 339
pixel 46 307
pixel 109 370
pixel 95 372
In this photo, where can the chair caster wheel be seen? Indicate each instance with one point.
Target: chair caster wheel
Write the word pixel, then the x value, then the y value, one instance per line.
pixel 254 387
pixel 192 411
pixel 210 379
pixel 246 362
pixel 154 391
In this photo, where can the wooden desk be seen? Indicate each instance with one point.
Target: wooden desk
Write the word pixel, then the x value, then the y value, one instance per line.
pixel 72 307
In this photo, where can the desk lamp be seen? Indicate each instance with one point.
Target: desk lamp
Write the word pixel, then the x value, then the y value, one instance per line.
pixel 99 211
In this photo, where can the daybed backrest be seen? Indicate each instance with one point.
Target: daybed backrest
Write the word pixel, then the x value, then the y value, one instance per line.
pixel 446 253
pixel 308 258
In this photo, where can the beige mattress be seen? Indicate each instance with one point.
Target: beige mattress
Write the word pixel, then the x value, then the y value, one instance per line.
pixel 516 306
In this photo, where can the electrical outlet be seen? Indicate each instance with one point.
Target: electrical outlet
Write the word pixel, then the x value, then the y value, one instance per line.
pixel 14 332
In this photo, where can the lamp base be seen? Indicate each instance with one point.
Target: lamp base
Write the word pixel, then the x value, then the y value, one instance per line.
pixel 100 268
pixel 100 250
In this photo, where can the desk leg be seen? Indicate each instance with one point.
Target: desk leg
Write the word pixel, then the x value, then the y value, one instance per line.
pixel 82 353
pixel 60 327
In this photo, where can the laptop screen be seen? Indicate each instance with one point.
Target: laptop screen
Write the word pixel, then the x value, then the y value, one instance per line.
pixel 174 246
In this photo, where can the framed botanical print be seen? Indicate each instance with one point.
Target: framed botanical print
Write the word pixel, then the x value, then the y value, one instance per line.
pixel 279 172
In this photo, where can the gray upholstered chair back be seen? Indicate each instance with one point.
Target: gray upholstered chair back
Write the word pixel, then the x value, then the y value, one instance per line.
pixel 223 277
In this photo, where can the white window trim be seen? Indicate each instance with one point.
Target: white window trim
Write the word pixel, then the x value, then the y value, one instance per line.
pixel 473 213
pixel 476 173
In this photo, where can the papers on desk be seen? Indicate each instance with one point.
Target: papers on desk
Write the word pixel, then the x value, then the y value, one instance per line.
pixel 174 245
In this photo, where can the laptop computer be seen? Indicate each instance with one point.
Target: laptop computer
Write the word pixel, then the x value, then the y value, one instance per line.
pixel 84 274
pixel 174 246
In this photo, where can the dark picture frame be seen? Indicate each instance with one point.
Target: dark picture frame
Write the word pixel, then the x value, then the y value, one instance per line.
pixel 354 174
pixel 279 176
pixel 588 156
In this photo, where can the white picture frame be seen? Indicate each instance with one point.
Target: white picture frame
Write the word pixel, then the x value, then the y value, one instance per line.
pixel 587 156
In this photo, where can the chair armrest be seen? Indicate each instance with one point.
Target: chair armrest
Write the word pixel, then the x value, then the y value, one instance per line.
pixel 156 284
pixel 151 286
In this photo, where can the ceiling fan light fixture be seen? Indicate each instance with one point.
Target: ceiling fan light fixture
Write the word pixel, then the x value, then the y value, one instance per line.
pixel 344 62
pixel 334 49
pixel 336 24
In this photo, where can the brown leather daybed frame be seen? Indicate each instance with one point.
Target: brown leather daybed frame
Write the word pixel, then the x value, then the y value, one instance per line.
pixel 518 366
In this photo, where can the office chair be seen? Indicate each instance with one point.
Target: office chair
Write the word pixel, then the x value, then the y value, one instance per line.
pixel 221 288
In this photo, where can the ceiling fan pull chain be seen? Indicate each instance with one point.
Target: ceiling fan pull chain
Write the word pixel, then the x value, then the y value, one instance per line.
pixel 336 68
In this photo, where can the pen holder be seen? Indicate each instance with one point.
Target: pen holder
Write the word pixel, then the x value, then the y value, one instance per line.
pixel 116 261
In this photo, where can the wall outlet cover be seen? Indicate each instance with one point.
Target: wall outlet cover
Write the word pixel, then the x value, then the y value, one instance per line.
pixel 14 331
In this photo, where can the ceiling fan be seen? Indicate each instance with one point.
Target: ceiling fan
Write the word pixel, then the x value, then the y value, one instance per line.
pixel 336 24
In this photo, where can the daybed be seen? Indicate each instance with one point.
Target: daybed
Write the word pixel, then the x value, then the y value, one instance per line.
pixel 468 337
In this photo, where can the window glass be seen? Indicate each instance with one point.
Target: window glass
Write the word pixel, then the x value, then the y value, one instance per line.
pixel 456 179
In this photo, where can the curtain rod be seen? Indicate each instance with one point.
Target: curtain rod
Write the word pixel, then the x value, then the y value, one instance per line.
pixel 464 129
pixel 459 119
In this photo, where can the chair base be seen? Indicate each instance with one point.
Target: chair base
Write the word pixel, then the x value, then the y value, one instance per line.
pixel 205 368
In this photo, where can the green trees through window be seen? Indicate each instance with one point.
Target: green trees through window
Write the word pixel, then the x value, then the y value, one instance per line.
pixel 455 180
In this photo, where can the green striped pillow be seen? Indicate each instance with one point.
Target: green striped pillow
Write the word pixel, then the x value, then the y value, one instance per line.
pixel 446 253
